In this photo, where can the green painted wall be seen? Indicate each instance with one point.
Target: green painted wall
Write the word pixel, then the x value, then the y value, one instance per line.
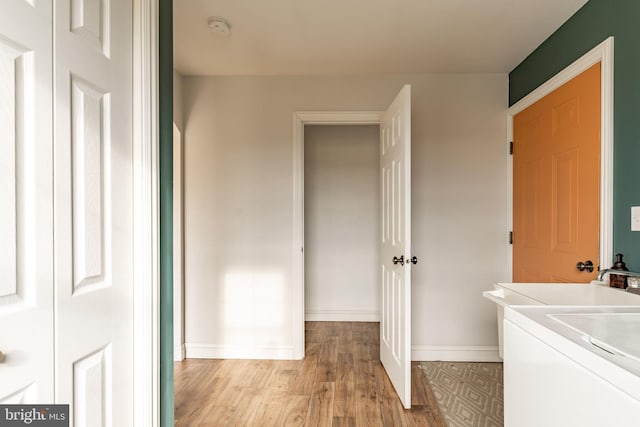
pixel 165 109
pixel 592 24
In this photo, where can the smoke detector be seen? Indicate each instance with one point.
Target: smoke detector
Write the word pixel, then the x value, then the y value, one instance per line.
pixel 219 26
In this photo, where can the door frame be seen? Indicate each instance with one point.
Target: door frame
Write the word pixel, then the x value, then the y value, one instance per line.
pixel 602 53
pixel 178 246
pixel 300 119
pixel 146 234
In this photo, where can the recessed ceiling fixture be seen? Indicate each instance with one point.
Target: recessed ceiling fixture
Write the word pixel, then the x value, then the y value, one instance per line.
pixel 219 26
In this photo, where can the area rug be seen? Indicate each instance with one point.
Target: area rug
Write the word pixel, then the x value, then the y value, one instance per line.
pixel 468 394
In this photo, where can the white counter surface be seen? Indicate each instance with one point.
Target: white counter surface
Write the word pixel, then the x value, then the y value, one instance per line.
pixel 603 339
pixel 571 293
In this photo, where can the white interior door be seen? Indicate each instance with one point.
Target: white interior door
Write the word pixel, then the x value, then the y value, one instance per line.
pixel 93 210
pixel 395 325
pixel 26 204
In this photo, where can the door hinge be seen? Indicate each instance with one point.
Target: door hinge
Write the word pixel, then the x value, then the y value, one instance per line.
pixel 511 237
pixel 511 147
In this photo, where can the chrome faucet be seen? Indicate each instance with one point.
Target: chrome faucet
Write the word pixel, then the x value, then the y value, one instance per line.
pixel 613 271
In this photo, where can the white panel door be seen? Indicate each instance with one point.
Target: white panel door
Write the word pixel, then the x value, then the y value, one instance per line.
pixel 395 325
pixel 26 203
pixel 93 210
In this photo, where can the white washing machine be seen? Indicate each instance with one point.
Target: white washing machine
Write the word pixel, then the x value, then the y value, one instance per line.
pixel 568 366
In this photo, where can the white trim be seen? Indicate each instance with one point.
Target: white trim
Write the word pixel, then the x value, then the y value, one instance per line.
pixel 300 119
pixel 212 351
pixel 146 363
pixel 178 238
pixel 342 315
pixel 424 353
pixel 179 352
pixel 602 53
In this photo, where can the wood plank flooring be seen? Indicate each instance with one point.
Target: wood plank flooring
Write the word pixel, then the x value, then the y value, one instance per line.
pixel 340 382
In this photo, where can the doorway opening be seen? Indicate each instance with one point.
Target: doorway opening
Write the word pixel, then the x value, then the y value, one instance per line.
pixel 302 119
pixel 341 222
pixel 395 233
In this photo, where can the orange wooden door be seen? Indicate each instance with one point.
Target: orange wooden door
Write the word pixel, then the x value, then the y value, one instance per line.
pixel 556 183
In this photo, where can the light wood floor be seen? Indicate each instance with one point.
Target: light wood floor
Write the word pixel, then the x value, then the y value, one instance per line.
pixel 340 382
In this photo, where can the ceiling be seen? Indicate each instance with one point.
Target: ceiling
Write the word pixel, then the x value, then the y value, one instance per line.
pixel 305 37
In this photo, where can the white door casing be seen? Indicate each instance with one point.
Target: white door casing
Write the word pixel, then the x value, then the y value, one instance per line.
pixel 93 177
pixel 300 119
pixel 178 249
pixel 26 210
pixel 145 221
pixel 395 164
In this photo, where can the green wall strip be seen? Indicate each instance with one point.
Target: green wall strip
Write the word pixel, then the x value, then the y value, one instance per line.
pixel 165 108
pixel 592 24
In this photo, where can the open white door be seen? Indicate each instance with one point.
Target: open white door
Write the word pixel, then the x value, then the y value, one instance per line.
pixel 395 163
pixel 93 169
pixel 26 203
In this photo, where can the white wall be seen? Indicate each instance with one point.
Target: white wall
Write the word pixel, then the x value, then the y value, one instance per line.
pixel 341 224
pixel 239 205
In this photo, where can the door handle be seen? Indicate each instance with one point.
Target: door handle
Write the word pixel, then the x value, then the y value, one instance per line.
pixel 412 260
pixel 400 260
pixel 587 265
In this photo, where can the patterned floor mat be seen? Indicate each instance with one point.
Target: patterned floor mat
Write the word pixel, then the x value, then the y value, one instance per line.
pixel 469 394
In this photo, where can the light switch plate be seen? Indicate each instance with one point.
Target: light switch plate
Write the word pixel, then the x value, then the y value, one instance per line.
pixel 635 218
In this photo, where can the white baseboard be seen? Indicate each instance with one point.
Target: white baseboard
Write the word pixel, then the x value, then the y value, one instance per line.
pixel 312 315
pixel 212 351
pixel 178 352
pixel 425 353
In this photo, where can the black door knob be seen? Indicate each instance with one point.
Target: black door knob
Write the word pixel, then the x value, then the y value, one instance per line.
pixel 397 260
pixel 585 266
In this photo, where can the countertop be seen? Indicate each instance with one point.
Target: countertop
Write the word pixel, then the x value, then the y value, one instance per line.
pixel 603 339
pixel 572 294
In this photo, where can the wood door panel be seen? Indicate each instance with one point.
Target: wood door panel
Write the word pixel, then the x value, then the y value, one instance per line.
pixel 530 211
pixel 12 105
pixel 92 387
pixel 89 21
pixel 556 164
pixel 564 234
pixel 564 117
pixel 27 394
pixel 89 152
pixel 398 203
